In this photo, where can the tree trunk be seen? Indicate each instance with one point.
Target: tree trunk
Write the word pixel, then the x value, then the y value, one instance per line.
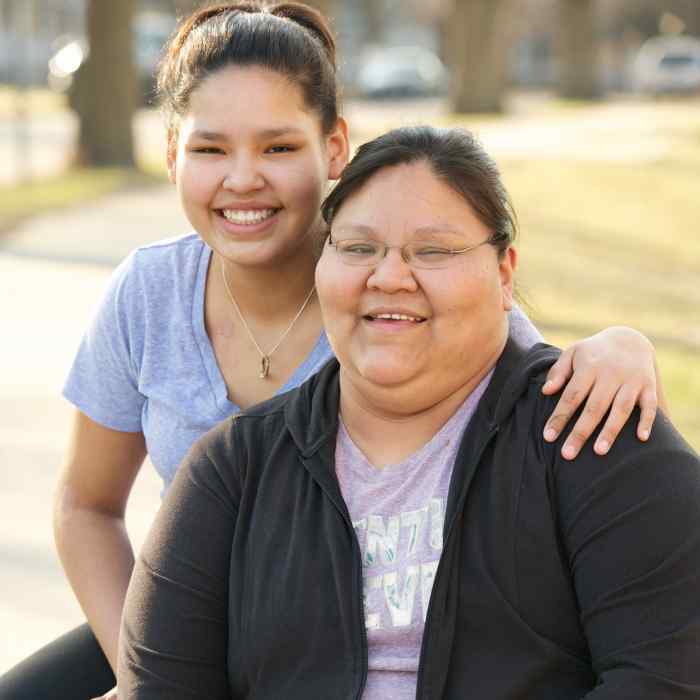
pixel 373 13
pixel 578 60
pixel 477 54
pixel 105 90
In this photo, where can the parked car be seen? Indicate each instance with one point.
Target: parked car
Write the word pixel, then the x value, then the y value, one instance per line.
pixel 668 64
pixel 400 71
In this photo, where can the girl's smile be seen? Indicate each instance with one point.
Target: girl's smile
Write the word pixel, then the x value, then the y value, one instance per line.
pixel 251 163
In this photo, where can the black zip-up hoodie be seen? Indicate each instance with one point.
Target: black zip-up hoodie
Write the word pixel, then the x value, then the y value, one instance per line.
pixel 557 579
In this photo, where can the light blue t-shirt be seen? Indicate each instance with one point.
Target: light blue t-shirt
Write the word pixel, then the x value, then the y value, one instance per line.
pixel 146 363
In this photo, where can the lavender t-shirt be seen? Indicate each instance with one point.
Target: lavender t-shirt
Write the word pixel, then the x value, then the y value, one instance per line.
pixel 398 513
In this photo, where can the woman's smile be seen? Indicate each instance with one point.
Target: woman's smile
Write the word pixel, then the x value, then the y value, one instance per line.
pixel 389 320
pixel 248 222
pixel 247 217
pixel 393 320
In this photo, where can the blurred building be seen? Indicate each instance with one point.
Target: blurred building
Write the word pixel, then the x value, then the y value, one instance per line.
pixel 28 32
pixel 32 30
pixel 531 35
pixel 622 27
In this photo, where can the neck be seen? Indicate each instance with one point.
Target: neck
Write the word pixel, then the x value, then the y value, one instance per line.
pixel 391 423
pixel 387 436
pixel 265 293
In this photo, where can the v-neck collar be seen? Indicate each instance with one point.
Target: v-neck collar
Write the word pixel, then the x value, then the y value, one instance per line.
pixel 206 349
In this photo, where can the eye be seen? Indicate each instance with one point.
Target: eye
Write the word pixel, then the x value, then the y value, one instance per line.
pixel 431 252
pixel 207 150
pixel 282 148
pixel 357 249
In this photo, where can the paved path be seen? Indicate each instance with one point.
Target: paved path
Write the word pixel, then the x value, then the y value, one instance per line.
pixel 52 272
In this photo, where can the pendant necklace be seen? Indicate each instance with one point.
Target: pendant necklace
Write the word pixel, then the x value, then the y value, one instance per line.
pixel 264 356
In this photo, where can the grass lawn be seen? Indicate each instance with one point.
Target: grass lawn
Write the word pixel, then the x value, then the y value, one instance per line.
pixel 618 243
pixel 74 187
pixel 36 100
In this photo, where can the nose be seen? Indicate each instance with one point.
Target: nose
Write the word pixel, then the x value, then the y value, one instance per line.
pixel 392 274
pixel 243 175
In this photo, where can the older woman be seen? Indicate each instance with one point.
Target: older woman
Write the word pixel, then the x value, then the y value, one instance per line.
pixel 397 527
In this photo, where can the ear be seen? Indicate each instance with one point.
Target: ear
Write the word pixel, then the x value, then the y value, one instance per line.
pixel 506 269
pixel 338 146
pixel 171 154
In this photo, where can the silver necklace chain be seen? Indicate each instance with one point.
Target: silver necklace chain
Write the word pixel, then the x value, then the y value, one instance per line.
pixel 264 356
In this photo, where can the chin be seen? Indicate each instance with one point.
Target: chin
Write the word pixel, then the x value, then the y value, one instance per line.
pixel 387 375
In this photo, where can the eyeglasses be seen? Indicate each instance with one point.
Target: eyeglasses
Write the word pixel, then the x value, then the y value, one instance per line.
pixel 426 256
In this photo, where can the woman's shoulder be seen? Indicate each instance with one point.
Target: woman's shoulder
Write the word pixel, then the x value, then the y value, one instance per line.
pixel 161 272
pixel 305 415
pixel 161 258
pixel 518 373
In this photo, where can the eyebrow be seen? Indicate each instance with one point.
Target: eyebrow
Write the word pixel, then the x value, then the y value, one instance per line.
pixel 356 228
pixel 280 131
pixel 445 229
pixel 205 135
pixel 421 230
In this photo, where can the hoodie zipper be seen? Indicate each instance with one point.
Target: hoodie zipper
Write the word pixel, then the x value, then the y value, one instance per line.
pixel 441 567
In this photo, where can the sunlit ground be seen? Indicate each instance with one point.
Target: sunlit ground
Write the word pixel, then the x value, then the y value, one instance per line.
pixel 36 101
pixel 76 187
pixel 619 242
pixel 606 244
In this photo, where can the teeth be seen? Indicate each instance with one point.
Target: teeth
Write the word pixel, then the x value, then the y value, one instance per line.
pixel 252 216
pixel 399 317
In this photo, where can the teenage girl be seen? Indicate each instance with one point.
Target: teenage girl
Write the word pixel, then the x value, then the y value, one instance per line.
pixel 196 328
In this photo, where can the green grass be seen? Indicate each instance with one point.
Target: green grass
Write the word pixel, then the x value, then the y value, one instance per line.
pixel 609 243
pixel 36 101
pixel 605 244
pixel 74 187
pixel 681 374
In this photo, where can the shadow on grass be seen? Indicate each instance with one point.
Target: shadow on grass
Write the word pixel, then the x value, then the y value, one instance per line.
pixel 72 188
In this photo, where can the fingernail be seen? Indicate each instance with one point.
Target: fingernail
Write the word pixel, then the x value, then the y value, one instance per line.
pixel 644 435
pixel 602 446
pixel 550 434
pixel 546 385
pixel 568 452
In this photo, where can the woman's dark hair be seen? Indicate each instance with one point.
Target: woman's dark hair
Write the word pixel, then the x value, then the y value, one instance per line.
pixel 287 37
pixel 454 155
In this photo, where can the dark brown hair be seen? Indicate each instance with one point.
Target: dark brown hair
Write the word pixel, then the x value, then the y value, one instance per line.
pixel 287 37
pixel 456 158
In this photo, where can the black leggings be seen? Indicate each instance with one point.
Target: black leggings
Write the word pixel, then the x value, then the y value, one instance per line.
pixel 71 668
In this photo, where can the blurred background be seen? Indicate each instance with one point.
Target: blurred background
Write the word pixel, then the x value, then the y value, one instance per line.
pixel 591 108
